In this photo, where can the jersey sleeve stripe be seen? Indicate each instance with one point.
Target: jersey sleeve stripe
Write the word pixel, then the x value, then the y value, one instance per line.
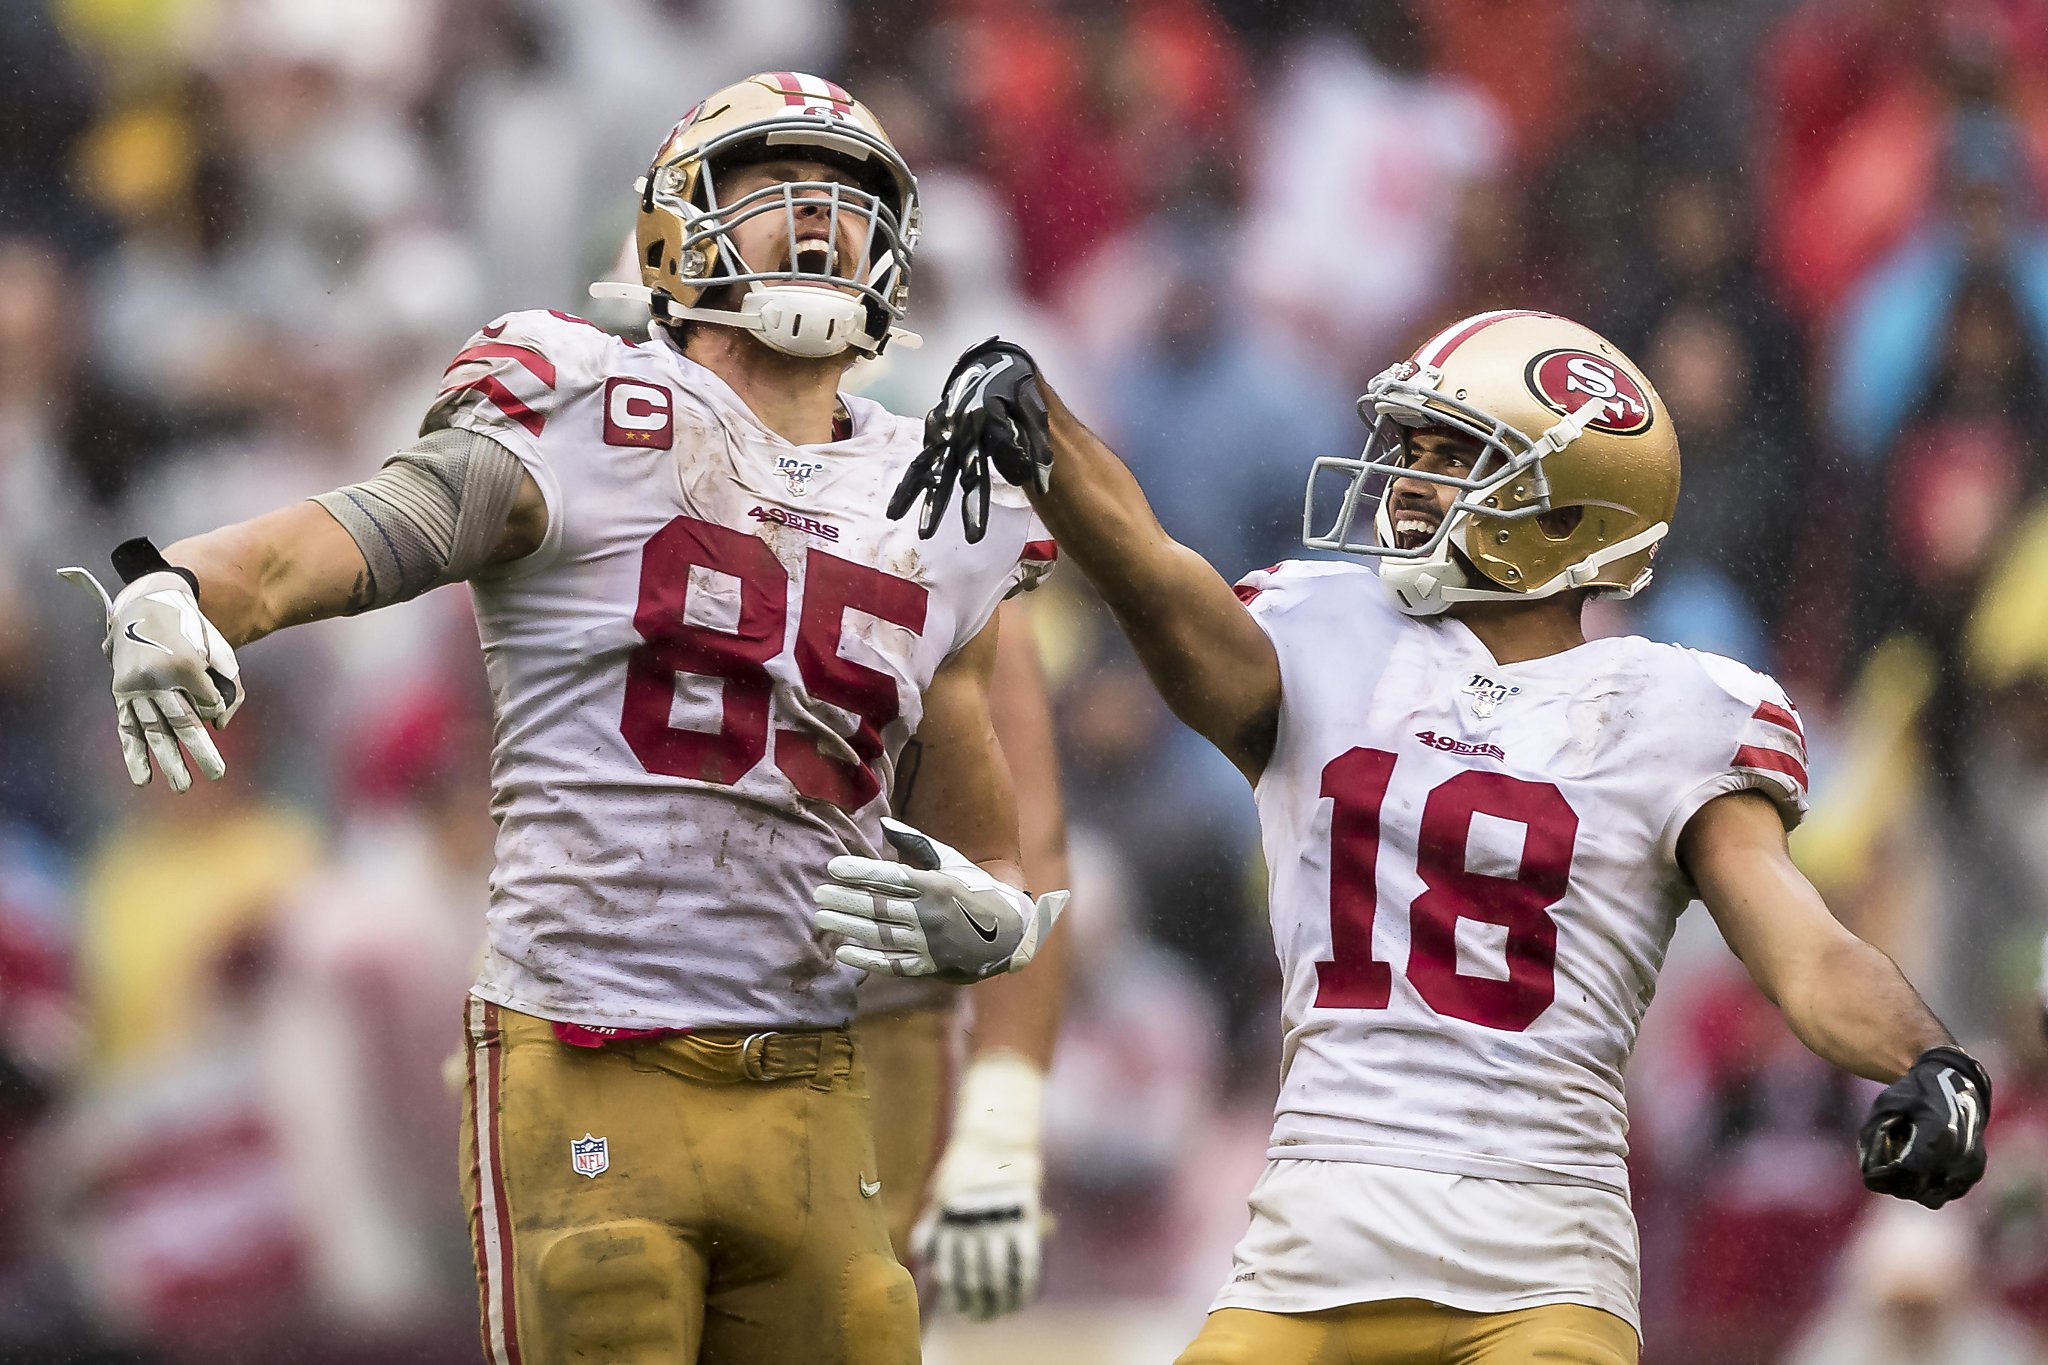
pixel 1777 715
pixel 503 398
pixel 1041 551
pixel 1760 759
pixel 541 367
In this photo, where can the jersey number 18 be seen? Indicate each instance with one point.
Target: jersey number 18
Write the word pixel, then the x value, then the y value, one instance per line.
pixel 1356 783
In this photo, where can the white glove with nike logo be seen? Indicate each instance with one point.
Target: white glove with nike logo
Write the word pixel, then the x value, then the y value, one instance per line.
pixel 934 914
pixel 172 669
pixel 980 1241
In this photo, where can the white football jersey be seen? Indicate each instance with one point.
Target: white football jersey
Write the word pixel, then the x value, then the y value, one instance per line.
pixel 702 679
pixel 1474 874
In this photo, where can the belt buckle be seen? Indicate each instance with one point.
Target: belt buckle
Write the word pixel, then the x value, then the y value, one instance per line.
pixel 754 1056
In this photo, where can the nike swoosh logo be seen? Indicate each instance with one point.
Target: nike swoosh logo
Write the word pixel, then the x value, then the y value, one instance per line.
pixel 869 1188
pixel 129 631
pixel 988 934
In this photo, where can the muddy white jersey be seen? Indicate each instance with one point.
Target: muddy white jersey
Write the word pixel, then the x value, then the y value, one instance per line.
pixel 702 679
pixel 1474 874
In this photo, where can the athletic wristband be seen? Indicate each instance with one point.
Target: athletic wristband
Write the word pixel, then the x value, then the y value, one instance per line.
pixel 140 557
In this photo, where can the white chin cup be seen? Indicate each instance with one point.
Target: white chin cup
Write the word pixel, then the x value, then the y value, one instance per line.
pixel 804 320
pixel 1418 584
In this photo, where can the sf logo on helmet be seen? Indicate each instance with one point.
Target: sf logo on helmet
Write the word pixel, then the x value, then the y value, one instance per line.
pixel 1566 380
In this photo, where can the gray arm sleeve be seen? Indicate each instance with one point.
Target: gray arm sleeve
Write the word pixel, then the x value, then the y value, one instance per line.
pixel 432 514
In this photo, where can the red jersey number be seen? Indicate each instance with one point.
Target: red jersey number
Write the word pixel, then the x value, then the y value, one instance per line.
pixel 673 647
pixel 1356 783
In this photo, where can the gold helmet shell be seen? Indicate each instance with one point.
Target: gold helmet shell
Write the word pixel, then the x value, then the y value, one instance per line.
pixel 1565 420
pixel 683 235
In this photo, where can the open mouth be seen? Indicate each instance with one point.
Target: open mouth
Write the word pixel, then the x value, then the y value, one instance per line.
pixel 1412 529
pixel 815 256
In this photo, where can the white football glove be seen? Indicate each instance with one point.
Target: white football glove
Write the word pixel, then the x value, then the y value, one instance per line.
pixel 934 914
pixel 172 670
pixel 981 1239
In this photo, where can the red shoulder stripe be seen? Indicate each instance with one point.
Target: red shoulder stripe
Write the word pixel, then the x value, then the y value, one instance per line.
pixel 1771 760
pixel 1044 551
pixel 505 400
pixel 1780 717
pixel 541 367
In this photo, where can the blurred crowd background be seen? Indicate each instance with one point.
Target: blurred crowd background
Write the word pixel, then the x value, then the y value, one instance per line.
pixel 240 238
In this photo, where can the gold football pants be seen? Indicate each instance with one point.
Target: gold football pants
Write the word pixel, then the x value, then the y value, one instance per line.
pixel 909 1057
pixel 1414 1332
pixel 706 1199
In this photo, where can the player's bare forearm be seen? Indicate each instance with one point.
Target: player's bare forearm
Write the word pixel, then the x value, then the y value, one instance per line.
pixel 283 568
pixel 961 793
pixel 1208 658
pixel 1020 1011
pixel 1846 1000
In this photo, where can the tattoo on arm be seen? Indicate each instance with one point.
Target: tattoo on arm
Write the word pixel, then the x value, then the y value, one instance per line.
pixel 362 595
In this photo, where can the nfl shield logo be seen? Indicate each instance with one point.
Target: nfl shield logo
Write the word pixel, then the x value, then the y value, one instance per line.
pixel 590 1156
pixel 797 473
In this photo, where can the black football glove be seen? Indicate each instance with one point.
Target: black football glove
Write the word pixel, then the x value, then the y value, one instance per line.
pixel 1924 1139
pixel 991 412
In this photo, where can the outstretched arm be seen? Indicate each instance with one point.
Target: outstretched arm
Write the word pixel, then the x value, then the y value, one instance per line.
pixel 451 505
pixel 1845 1000
pixel 1208 658
pixel 1848 1002
pixel 300 564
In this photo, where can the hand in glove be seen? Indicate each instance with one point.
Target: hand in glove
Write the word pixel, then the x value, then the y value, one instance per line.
pixel 991 412
pixel 172 669
pixel 933 914
pixel 1924 1139
pixel 980 1240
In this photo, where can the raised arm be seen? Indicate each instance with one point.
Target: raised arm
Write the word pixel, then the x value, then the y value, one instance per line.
pixel 1208 658
pixel 1845 1000
pixel 1211 662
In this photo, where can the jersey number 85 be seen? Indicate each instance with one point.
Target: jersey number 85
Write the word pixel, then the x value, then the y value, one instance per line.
pixel 740 657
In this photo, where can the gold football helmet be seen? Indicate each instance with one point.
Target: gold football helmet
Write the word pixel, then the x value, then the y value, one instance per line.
pixel 1565 420
pixel 684 234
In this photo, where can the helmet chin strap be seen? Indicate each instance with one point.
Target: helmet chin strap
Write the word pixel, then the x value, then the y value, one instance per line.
pixel 795 319
pixel 1427 587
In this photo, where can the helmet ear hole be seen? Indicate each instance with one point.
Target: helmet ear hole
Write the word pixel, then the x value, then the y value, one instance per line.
pixel 1559 522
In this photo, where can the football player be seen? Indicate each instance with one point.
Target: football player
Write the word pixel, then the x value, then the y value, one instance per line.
pixel 706 648
pixel 1481 829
